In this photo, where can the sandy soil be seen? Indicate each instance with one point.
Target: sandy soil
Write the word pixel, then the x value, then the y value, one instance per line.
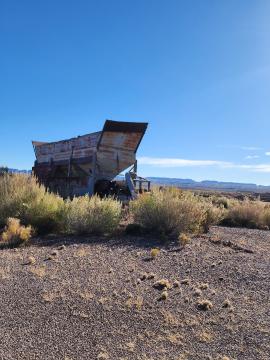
pixel 95 299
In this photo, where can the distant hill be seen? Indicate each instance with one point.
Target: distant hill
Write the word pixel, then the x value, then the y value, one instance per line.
pixel 208 184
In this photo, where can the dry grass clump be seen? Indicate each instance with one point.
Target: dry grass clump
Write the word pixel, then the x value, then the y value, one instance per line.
pixel 154 253
pixel 162 284
pixel 203 286
pixel 39 271
pixel 30 260
pixel 15 234
pixel 22 197
pixel 102 356
pixel 204 305
pixel 171 211
pixel 164 295
pixel 92 215
pixel 185 281
pixel 183 239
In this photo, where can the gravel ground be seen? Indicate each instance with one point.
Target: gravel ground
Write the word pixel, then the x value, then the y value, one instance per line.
pixel 95 299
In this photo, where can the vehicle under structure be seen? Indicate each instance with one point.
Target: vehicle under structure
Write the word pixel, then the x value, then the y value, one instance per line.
pixel 90 163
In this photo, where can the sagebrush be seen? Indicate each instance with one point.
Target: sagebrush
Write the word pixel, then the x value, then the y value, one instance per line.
pixel 15 234
pixel 92 215
pixel 171 211
pixel 248 213
pixel 168 211
pixel 22 197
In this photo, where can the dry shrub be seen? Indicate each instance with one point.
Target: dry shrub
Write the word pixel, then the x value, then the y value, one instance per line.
pixel 15 234
pixel 154 253
pixel 213 215
pixel 183 239
pixel 171 211
pixel 220 201
pixel 93 215
pixel 21 196
pixel 248 213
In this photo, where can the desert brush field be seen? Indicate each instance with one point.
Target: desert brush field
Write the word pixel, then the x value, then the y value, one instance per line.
pixel 171 276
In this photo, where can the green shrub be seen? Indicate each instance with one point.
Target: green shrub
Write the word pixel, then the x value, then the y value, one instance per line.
pixel 46 213
pixel 22 197
pixel 92 215
pixel 171 211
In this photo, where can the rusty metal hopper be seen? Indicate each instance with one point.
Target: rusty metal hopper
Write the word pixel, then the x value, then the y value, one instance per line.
pixel 72 167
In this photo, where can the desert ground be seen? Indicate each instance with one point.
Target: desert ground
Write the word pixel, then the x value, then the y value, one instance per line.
pixel 74 298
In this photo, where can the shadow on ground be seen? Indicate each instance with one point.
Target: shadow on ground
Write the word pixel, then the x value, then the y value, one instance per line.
pixel 146 241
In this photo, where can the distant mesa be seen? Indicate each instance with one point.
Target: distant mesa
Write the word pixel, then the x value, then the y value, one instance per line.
pixel 208 184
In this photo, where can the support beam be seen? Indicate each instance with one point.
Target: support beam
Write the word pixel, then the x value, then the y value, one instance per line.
pixel 130 186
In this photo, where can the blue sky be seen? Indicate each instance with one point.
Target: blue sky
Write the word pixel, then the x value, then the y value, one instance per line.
pixel 197 71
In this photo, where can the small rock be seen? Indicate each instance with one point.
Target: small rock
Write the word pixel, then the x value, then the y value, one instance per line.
pixel 54 253
pixel 185 281
pixel 176 284
pixel 30 261
pixel 226 304
pixel 197 292
pixel 143 276
pixel 203 286
pixel 150 276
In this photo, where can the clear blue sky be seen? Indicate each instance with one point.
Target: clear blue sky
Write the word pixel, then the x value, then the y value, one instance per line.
pixel 197 71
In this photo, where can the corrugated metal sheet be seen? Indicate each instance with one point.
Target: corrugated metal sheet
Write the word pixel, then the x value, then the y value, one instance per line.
pixel 79 147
